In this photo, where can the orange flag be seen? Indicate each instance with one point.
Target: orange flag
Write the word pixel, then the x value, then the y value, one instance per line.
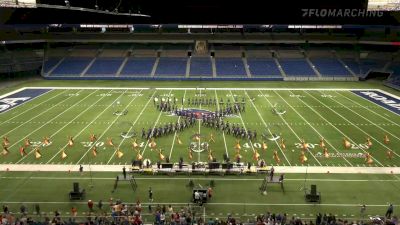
pixel 303 157
pixel 346 143
pixel 326 153
pixel 276 157
pixel 94 151
pixel 27 142
pixel 70 141
pixel 386 139
pixel 22 151
pixel 322 143
pixel 282 144
pixel 110 142
pixel 256 155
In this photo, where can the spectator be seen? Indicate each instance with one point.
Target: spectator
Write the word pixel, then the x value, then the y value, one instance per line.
pixel 100 205
pixel 90 205
pixel 389 211
pixel 74 211
pixel 23 209
pixel 37 209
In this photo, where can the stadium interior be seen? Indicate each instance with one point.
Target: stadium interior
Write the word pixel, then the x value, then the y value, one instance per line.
pixel 199 112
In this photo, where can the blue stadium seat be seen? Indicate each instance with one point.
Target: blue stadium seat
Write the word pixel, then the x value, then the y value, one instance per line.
pixel 200 66
pixel 296 67
pixel 263 67
pixel 362 67
pixel 49 64
pixel 330 67
pixel 72 66
pixel 138 66
pixel 230 67
pixel 105 66
pixel 171 66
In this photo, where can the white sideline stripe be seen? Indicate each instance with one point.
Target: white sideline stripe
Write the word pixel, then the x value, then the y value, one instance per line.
pixel 130 128
pixel 216 203
pixel 112 123
pixel 38 115
pixel 241 118
pixel 197 178
pixel 179 119
pixel 271 89
pixel 32 107
pixel 369 108
pixel 48 123
pixel 222 89
pixel 13 92
pixel 288 125
pixel 75 119
pixel 334 125
pixel 280 169
pixel 312 127
pixel 43 124
pixel 91 88
pixel 155 124
pixel 265 124
pixel 223 133
pixel 375 126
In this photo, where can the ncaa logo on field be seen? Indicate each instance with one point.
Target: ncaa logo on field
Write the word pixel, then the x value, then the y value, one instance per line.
pixel 6 103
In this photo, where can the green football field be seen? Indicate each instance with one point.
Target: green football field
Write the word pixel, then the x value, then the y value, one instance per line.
pixel 292 112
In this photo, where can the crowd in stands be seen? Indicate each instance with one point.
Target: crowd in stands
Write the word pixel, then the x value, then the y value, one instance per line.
pixel 131 214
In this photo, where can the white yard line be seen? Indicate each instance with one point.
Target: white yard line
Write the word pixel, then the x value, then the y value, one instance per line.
pixel 244 126
pixel 288 125
pixel 217 203
pixel 179 119
pixel 368 108
pixel 376 140
pixel 199 144
pixel 130 128
pixel 312 127
pixel 59 151
pixel 279 169
pixel 375 124
pixel 200 178
pixel 30 108
pixel 112 123
pixel 26 136
pixel 51 136
pixel 334 125
pixel 223 133
pixel 155 124
pixel 265 124
pixel 8 132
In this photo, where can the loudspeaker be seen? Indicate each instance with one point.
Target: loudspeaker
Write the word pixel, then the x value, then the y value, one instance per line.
pixel 76 187
pixel 167 165
pixel 213 165
pixel 313 190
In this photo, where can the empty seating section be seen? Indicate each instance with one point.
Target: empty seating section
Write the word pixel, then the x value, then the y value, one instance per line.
pixel 296 67
pixel 200 66
pixel 105 66
pixel 363 66
pixel 136 66
pixel 171 66
pixel 330 67
pixel 49 64
pixel 230 67
pixel 72 66
pixel 263 67
pixel 353 65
